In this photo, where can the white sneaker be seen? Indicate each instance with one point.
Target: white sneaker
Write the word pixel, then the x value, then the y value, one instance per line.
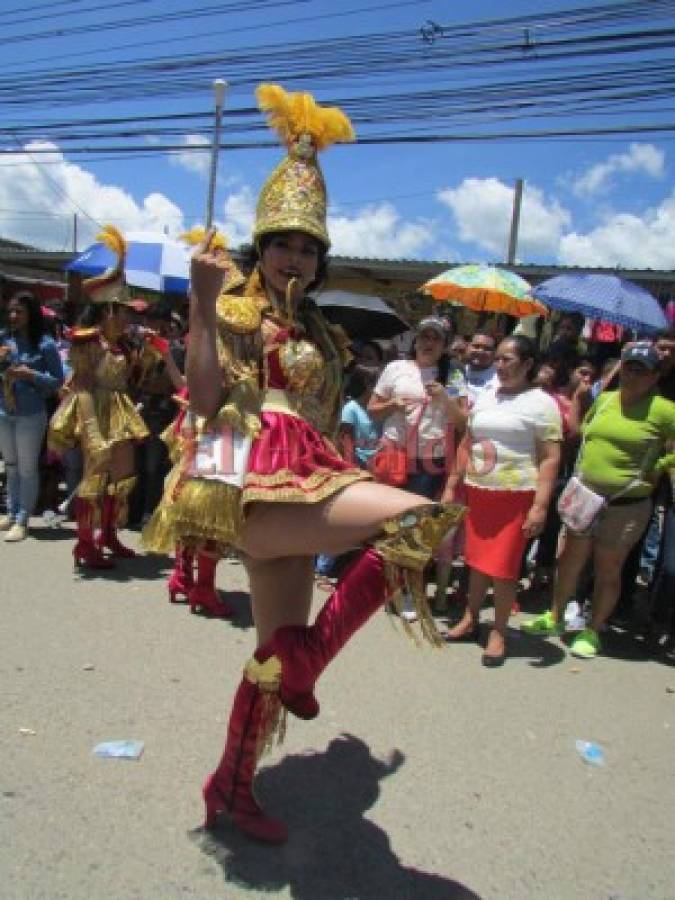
pixel 16 533
pixel 50 519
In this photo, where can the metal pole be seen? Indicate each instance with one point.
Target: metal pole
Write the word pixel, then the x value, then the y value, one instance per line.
pixel 74 232
pixel 515 221
pixel 219 87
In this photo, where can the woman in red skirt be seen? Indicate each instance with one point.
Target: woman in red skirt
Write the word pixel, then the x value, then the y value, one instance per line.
pixel 508 461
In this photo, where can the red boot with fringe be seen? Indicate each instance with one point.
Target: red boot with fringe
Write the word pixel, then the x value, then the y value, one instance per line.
pixel 229 790
pixel 304 652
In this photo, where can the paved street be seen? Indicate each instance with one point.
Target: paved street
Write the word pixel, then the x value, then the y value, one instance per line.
pixel 426 776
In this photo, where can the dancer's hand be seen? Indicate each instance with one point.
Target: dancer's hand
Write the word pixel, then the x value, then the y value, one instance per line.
pixel 207 271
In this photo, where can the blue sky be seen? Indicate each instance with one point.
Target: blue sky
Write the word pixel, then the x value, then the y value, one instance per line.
pixel 605 201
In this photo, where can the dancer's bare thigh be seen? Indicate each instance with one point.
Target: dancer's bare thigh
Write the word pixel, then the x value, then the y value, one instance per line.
pixel 281 592
pixel 335 525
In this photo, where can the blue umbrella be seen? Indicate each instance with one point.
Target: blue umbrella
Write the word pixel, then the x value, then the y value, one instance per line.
pixel 154 261
pixel 605 297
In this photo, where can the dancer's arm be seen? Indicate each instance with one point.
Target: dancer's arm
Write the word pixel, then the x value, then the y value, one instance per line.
pixel 204 375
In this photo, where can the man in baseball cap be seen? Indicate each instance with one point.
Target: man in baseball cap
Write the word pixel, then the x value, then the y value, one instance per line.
pixel 643 354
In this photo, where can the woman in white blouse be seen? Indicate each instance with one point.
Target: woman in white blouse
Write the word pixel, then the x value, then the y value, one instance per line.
pixel 508 461
pixel 421 401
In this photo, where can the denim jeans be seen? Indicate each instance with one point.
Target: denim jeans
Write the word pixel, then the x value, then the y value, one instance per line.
pixel 650 547
pixel 663 591
pixel 20 445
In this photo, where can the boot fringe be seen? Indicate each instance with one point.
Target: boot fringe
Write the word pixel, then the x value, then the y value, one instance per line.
pixel 407 546
pixel 273 719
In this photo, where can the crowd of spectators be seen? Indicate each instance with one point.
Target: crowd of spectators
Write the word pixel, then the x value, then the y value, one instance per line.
pixel 486 419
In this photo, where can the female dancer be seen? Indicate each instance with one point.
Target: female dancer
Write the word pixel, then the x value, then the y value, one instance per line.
pixel 98 413
pixel 292 496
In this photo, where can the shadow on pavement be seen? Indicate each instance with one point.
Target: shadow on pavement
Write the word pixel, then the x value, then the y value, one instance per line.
pixel 333 852
pixel 241 602
pixel 539 651
pixel 144 567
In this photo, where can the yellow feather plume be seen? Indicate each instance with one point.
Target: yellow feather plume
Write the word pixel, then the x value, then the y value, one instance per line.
pixel 197 234
pixel 294 114
pixel 114 240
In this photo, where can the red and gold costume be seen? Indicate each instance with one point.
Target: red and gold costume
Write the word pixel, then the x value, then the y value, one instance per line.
pixel 282 389
pixel 97 414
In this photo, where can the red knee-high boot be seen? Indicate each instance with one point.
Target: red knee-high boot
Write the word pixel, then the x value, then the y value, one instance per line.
pixel 85 551
pixel 305 652
pixel 397 560
pixel 113 516
pixel 230 788
pixel 204 597
pixel 181 580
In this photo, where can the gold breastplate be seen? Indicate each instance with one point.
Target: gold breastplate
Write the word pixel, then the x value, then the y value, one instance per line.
pixel 302 365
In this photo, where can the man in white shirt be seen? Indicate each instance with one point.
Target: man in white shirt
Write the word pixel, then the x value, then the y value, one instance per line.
pixel 480 371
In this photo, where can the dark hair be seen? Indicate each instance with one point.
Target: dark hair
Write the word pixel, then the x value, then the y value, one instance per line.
pixel 526 350
pixel 376 347
pixel 445 363
pixel 36 323
pixel 562 363
pixel 251 257
pixel 575 318
pixel 483 332
pixel 358 382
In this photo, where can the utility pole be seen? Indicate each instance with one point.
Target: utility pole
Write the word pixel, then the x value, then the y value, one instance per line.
pixel 219 87
pixel 515 221
pixel 74 232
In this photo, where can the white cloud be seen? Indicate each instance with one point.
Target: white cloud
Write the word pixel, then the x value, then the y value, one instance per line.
pixel 37 194
pixel 645 159
pixel 482 208
pixel 626 240
pixel 238 217
pixel 378 232
pixel 194 160
pixel 374 231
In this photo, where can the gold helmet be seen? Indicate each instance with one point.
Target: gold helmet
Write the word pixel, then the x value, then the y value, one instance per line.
pixel 294 196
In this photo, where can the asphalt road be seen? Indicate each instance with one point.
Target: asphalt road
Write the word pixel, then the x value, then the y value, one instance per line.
pixel 426 776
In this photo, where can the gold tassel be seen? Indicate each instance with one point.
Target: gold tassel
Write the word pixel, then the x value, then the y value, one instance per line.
pixel 407 546
pixel 267 676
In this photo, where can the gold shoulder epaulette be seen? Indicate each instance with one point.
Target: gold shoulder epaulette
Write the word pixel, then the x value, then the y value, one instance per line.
pixel 240 314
